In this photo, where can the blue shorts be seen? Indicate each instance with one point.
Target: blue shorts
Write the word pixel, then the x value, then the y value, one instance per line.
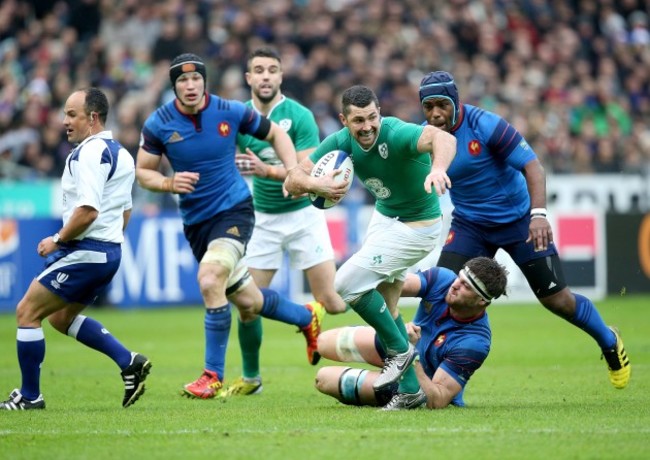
pixel 236 223
pixel 473 240
pixel 81 270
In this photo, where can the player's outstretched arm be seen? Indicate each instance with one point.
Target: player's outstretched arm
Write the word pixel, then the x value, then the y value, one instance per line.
pixel 442 147
pixel 283 146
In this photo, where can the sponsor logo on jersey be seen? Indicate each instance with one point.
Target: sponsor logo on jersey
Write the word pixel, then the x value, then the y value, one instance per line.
pixel 383 150
pixel 60 279
pixel 474 147
pixel 440 340
pixel 224 129
pixel 175 137
pixel 376 260
pixel 233 231
pixel 285 124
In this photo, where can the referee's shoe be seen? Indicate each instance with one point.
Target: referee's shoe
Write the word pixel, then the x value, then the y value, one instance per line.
pixel 134 377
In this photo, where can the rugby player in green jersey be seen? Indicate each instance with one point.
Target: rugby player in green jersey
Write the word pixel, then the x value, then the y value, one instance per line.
pixel 282 224
pixel 402 165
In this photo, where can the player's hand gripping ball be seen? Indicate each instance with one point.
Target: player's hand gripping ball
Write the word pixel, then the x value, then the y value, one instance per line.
pixel 336 159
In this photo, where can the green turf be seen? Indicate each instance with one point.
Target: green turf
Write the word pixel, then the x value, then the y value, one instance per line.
pixel 543 393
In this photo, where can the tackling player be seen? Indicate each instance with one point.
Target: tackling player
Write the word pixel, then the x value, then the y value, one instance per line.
pixel 499 199
pixel 451 333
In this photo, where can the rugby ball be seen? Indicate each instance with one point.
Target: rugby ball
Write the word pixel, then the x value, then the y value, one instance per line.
pixel 336 159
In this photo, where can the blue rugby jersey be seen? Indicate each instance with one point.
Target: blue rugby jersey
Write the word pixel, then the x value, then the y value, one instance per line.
pixel 488 187
pixel 203 143
pixel 459 347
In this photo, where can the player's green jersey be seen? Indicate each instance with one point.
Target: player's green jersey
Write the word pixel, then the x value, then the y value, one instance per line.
pixel 392 169
pixel 301 126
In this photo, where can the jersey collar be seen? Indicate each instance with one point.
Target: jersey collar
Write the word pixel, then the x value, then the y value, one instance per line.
pixel 461 117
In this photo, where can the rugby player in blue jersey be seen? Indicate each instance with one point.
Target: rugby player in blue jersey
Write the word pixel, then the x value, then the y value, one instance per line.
pixel 499 199
pixel 450 330
pixel 197 132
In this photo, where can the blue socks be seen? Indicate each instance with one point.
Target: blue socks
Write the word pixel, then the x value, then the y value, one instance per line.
pixel 588 319
pixel 92 334
pixel 217 330
pixel 281 309
pixel 30 344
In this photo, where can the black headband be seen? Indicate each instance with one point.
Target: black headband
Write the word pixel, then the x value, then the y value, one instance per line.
pixel 183 64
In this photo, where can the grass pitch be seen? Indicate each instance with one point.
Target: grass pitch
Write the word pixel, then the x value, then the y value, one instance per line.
pixel 543 393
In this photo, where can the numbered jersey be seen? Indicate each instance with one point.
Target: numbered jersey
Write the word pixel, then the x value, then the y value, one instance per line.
pixel 392 169
pixel 299 123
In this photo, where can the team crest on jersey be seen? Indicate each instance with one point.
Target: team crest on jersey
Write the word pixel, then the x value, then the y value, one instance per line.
pixel 474 147
pixel 440 340
pixel 285 124
pixel 450 237
pixel 427 306
pixel 224 129
pixel 383 150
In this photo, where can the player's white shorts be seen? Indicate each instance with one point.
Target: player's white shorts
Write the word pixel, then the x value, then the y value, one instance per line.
pixel 389 249
pixel 302 234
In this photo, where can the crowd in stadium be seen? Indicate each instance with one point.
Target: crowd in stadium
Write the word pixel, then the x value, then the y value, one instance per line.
pixel 573 76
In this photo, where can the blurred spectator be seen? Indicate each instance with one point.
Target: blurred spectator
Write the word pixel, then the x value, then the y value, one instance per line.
pixel 574 77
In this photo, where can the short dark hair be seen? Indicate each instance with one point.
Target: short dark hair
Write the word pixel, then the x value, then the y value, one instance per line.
pixel 358 96
pixel 96 101
pixel 493 275
pixel 265 51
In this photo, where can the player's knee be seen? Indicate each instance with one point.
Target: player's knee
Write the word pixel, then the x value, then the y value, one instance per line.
pixel 248 300
pixel 561 303
pixel 61 321
pixel 225 252
pixel 209 282
pixel 327 344
pixel 332 302
pixel 322 381
pixel 347 289
pixel 26 315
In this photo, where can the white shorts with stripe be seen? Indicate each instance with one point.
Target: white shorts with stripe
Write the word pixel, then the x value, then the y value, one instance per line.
pixel 302 234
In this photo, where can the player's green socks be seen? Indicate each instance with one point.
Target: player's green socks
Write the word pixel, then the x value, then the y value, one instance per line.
pixel 250 341
pixel 399 322
pixel 409 381
pixel 373 309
